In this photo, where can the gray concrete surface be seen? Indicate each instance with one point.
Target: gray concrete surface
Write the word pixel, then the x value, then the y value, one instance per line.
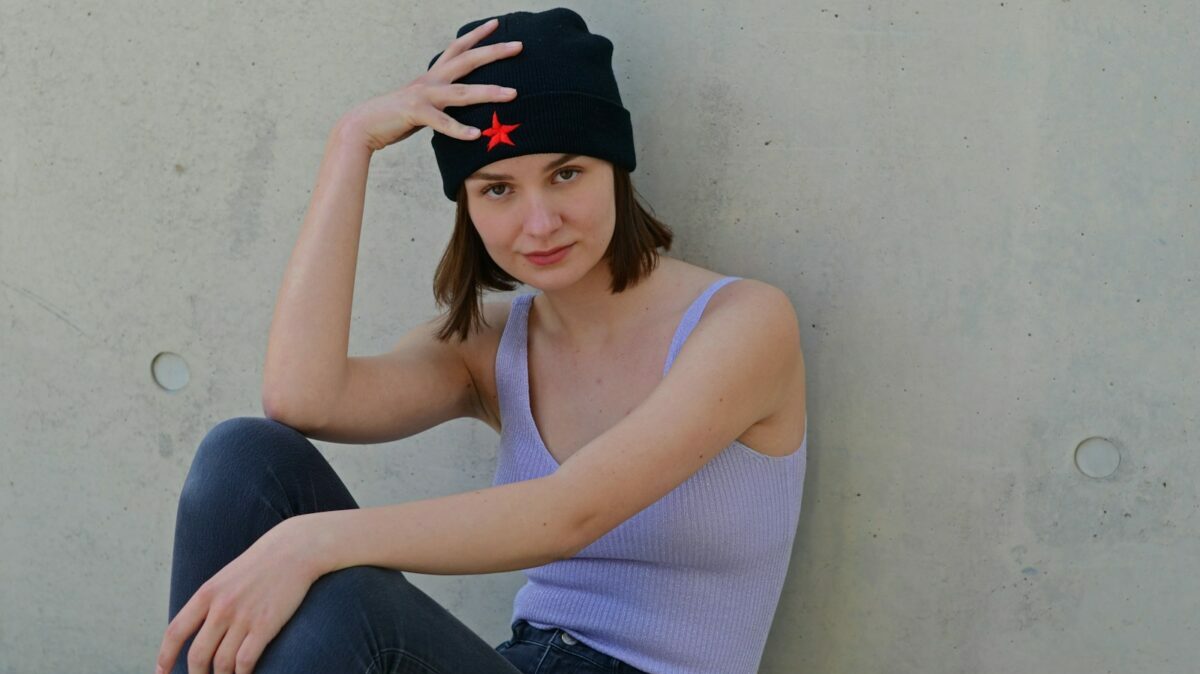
pixel 985 213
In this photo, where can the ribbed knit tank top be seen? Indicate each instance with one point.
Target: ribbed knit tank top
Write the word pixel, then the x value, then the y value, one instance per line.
pixel 690 584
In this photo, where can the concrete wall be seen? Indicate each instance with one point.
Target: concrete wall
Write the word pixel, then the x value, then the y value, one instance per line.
pixel 985 213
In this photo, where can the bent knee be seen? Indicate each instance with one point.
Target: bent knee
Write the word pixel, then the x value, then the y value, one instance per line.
pixel 250 437
pixel 242 448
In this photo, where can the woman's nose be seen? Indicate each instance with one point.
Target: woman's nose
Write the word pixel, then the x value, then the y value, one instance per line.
pixel 542 217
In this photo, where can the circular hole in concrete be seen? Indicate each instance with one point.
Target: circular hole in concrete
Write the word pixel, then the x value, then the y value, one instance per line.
pixel 169 370
pixel 1097 458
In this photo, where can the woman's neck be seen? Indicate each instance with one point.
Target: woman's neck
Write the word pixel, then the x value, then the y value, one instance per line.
pixel 588 317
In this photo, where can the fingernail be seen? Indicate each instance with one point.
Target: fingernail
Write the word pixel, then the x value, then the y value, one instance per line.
pixel 514 44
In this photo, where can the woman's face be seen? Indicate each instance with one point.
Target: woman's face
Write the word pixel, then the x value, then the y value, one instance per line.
pixel 540 202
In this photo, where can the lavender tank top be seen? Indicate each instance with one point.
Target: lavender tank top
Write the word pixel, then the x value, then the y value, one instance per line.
pixel 690 584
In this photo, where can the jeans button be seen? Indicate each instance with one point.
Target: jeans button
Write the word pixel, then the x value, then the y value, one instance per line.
pixel 568 639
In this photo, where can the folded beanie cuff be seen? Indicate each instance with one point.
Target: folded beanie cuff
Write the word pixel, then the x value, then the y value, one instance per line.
pixel 559 122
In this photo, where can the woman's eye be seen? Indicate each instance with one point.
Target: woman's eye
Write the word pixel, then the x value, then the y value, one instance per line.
pixel 489 191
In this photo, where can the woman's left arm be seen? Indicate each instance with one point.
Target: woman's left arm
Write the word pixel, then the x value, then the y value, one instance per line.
pixel 733 370
pixel 502 528
pixel 245 604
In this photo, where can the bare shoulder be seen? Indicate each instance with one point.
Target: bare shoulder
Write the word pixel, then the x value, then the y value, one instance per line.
pixel 479 352
pixel 751 304
pixel 745 290
pixel 763 305
pixel 759 295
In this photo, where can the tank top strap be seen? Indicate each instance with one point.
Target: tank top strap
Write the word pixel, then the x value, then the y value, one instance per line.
pixel 691 317
pixel 512 375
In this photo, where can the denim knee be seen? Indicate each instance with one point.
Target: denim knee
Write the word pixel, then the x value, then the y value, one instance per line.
pixel 240 449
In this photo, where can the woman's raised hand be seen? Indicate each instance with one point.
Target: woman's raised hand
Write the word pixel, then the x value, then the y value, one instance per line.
pixel 394 116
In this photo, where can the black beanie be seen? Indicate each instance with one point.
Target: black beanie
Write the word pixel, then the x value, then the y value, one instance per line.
pixel 567 99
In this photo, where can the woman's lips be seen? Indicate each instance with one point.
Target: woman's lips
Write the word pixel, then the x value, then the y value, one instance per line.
pixel 543 260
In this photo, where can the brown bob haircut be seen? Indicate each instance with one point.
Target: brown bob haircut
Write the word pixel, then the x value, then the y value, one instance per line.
pixel 466 268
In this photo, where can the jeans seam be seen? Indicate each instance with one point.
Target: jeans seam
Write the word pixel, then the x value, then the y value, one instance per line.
pixel 538 667
pixel 419 661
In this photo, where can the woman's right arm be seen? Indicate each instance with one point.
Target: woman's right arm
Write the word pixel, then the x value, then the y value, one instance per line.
pixel 307 366
pixel 310 330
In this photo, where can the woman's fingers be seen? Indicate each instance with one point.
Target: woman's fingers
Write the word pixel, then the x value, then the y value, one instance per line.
pixel 449 126
pixel 459 45
pixel 200 653
pixel 225 659
pixel 185 624
pixel 458 67
pixel 393 117
pixel 458 95
pixel 252 649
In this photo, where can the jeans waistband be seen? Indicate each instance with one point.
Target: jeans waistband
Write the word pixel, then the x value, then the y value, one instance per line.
pixel 554 637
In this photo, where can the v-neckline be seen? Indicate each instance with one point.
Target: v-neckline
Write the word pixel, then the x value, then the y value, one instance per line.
pixel 527 402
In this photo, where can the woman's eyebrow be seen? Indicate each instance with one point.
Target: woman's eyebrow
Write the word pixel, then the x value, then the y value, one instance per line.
pixel 499 176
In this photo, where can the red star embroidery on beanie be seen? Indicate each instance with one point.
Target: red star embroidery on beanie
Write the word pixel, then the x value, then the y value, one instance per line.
pixel 499 133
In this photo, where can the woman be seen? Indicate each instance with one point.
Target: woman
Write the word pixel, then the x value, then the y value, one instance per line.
pixel 649 491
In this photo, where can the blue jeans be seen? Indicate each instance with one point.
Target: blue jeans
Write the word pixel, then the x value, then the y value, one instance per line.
pixel 251 473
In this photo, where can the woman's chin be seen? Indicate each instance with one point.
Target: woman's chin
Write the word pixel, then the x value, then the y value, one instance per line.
pixel 551 277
